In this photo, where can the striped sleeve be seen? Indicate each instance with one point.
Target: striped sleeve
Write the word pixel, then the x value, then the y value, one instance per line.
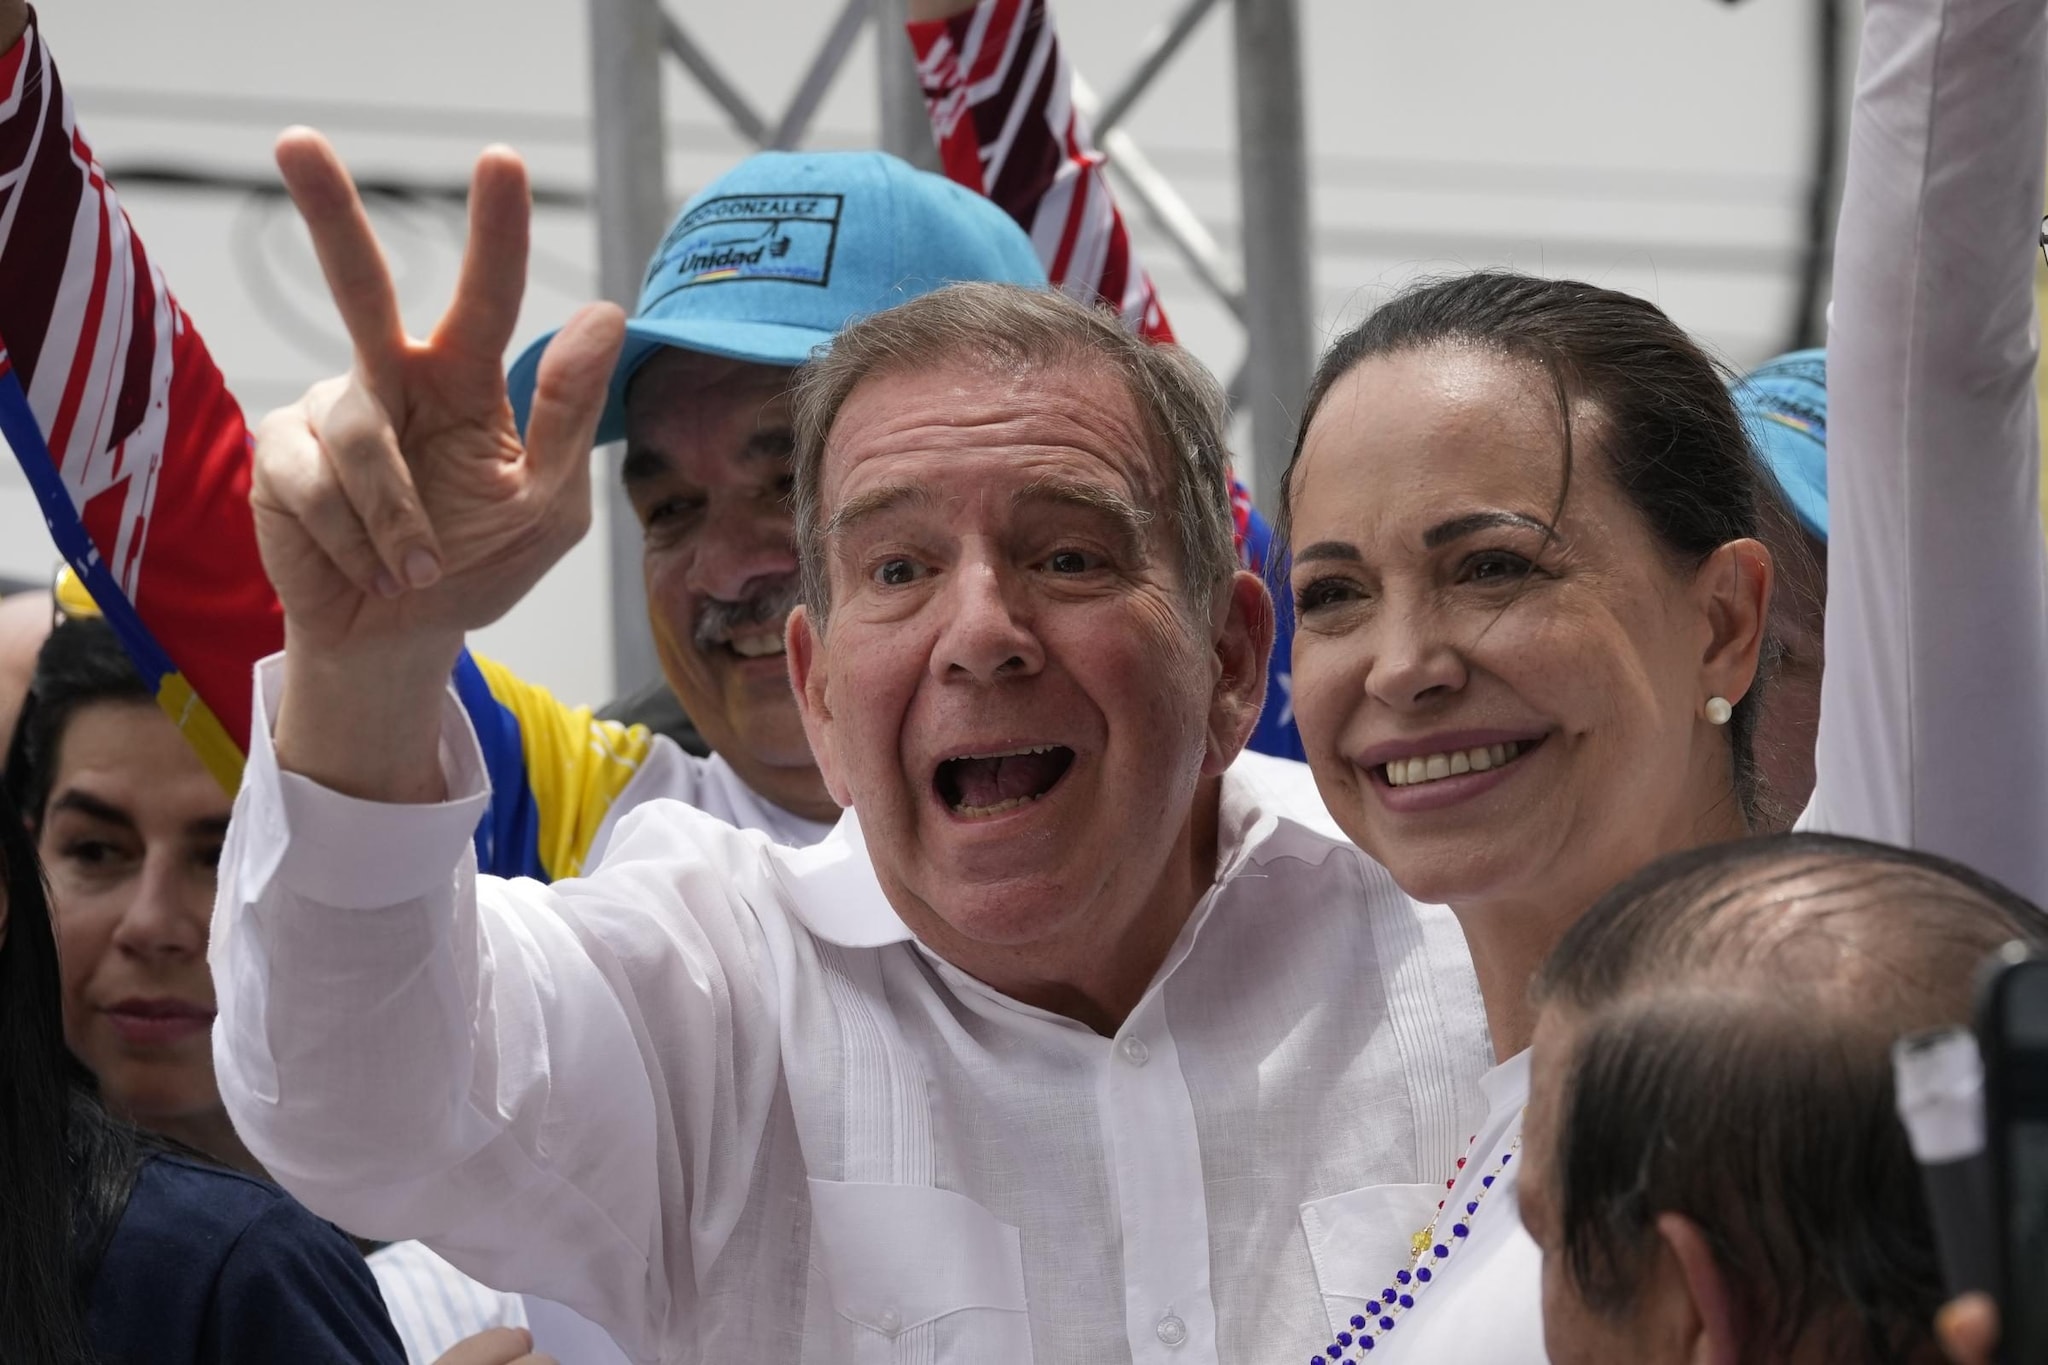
pixel 1000 96
pixel 138 455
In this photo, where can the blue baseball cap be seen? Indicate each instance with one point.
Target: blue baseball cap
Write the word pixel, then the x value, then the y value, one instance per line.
pixel 1784 404
pixel 768 262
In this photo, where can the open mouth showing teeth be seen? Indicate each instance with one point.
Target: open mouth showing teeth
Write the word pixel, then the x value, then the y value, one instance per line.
pixel 980 785
pixel 1408 772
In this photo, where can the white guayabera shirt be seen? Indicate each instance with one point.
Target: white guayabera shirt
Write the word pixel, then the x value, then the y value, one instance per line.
pixel 718 1100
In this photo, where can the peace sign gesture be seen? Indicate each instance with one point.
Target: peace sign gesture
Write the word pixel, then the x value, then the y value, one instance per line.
pixel 396 507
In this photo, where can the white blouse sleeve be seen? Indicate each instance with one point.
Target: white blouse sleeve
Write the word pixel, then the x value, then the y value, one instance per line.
pixel 1934 705
pixel 417 1052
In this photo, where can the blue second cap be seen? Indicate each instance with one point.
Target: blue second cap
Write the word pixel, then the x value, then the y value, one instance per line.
pixel 1784 405
pixel 768 262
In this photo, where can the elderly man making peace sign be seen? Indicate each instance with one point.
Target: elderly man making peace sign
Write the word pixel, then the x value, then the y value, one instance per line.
pixel 1074 1040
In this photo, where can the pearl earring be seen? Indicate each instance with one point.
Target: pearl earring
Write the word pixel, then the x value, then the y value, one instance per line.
pixel 1718 710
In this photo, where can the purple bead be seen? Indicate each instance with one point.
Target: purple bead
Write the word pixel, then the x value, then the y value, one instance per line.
pixel 1386 1324
pixel 1459 1230
pixel 1343 1338
pixel 1442 1251
pixel 1472 1207
pixel 1487 1181
pixel 1423 1274
pixel 1336 1351
pixel 1506 1159
pixel 1366 1344
pixel 1358 1322
pixel 1400 1277
pixel 1407 1301
pixel 1317 1360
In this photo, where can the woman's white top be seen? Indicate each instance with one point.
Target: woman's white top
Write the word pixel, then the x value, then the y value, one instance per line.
pixel 1934 707
pixel 1483 1302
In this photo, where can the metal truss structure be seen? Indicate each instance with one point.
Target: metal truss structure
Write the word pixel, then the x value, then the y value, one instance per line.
pixel 1267 286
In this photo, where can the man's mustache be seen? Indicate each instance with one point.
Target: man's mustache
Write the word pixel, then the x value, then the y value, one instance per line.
pixel 766 602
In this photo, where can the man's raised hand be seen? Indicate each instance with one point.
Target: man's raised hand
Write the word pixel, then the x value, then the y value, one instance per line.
pixel 396 507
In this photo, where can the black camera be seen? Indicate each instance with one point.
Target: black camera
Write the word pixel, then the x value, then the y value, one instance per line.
pixel 1976 1110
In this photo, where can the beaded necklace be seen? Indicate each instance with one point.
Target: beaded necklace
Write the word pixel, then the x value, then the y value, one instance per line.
pixel 1427 1263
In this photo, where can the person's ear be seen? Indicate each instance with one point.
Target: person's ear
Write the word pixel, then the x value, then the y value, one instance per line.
pixel 1241 633
pixel 810 678
pixel 1711 1322
pixel 1734 585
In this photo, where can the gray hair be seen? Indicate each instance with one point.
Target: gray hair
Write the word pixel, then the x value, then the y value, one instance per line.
pixel 1018 330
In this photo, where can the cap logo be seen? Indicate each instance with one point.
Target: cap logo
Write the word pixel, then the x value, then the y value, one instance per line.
pixel 733 237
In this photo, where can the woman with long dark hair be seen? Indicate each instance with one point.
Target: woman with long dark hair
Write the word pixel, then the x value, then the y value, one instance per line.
pixel 120 1247
pixel 127 826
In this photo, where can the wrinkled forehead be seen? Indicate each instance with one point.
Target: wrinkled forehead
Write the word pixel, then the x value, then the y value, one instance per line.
pixel 962 427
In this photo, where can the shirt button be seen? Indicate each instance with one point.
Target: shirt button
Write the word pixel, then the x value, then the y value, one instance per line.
pixel 1172 1330
pixel 1137 1054
pixel 889 1322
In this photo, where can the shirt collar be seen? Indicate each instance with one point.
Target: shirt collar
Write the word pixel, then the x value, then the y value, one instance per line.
pixel 1507 1085
pixel 834 892
pixel 1270 808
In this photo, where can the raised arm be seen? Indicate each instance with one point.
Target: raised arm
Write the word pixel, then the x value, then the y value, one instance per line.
pixel 1934 707
pixel 493 1067
pixel 409 1052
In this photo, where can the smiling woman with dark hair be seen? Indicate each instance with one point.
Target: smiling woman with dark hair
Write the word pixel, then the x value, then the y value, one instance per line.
pixel 119 1248
pixel 1534 603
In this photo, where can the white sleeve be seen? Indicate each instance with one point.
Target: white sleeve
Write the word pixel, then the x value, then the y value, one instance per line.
pixel 558 1088
pixel 1934 705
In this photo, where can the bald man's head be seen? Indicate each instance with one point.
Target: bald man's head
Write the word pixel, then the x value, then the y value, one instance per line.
pixel 1712 1069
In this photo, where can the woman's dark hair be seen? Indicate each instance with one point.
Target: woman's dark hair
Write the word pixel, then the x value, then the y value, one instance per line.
pixel 69 1166
pixel 1731 1011
pixel 1663 416
pixel 81 663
